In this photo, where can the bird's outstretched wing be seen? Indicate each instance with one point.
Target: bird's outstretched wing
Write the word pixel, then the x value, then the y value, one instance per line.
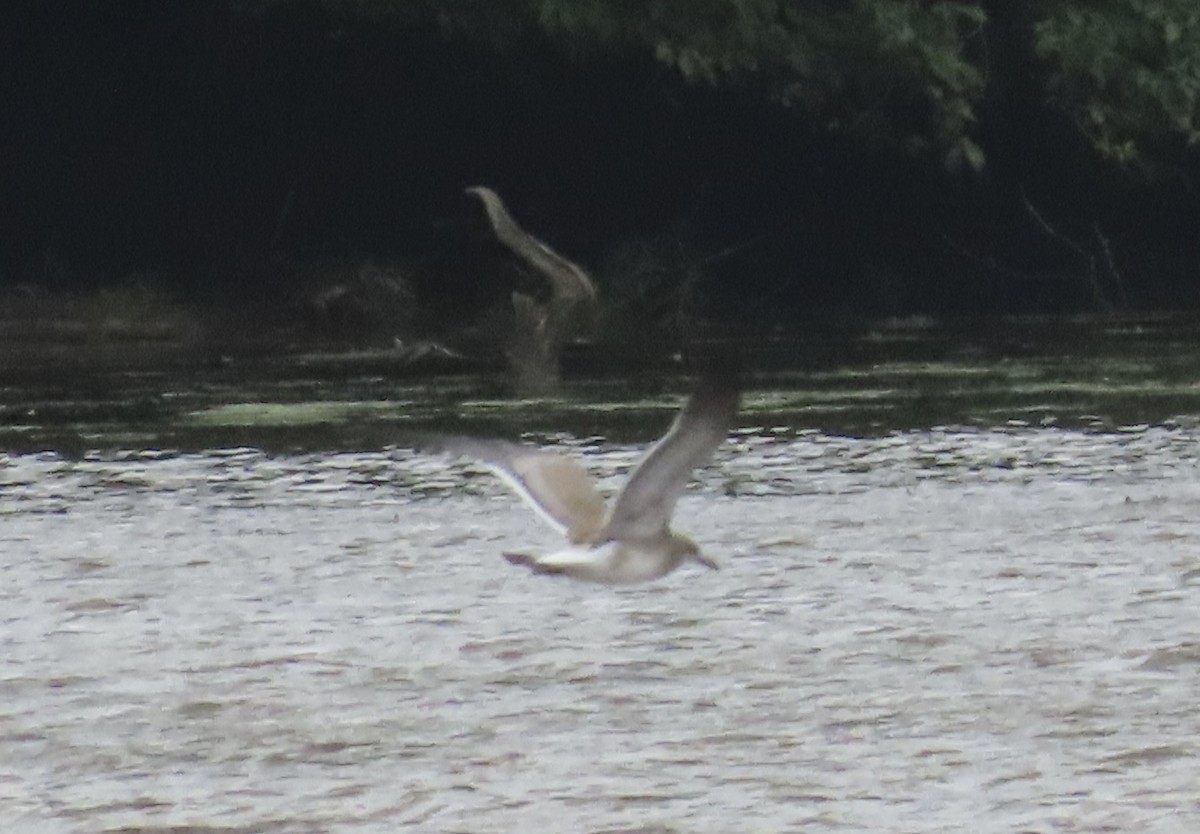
pixel 558 488
pixel 643 508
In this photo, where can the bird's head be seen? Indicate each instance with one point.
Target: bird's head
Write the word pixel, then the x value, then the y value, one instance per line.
pixel 686 550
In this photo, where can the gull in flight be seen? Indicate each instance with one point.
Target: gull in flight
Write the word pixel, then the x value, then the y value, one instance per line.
pixel 632 542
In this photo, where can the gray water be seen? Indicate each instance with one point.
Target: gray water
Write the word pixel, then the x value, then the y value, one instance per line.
pixel 949 630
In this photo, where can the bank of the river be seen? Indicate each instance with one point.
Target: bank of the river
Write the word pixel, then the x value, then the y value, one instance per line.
pixel 182 387
pixel 911 632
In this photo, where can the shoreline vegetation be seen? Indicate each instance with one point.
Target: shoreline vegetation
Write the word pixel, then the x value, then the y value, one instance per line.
pixel 133 369
pixel 753 163
pixel 903 214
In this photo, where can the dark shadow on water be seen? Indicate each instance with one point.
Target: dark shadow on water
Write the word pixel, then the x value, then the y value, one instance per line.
pixel 859 379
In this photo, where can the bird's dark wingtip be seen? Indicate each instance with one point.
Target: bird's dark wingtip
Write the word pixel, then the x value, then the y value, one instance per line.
pixel 719 372
pixel 718 386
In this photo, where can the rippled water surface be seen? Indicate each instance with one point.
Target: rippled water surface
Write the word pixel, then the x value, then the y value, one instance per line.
pixel 990 630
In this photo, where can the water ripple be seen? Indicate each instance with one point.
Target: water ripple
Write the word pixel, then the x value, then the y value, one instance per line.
pixel 914 632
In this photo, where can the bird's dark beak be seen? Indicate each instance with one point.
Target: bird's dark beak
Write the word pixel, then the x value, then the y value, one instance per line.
pixel 707 562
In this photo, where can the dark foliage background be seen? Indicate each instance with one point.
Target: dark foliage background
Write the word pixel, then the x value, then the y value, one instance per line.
pixel 787 159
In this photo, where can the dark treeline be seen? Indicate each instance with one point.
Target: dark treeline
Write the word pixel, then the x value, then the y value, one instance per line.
pixel 871 158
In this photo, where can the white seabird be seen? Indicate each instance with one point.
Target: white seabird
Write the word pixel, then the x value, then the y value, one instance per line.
pixel 633 542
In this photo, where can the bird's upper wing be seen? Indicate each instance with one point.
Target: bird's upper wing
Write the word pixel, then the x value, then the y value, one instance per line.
pixel 644 506
pixel 556 487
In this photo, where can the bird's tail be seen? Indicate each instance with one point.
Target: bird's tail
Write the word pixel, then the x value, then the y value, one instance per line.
pixel 531 562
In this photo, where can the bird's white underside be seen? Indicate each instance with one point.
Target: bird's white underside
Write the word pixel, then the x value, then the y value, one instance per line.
pixel 611 563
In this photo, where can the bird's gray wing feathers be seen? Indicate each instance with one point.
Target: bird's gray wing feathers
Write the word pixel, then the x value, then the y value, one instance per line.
pixel 556 487
pixel 644 506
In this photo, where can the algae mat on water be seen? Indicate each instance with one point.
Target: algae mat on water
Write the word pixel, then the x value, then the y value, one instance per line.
pixel 1049 372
